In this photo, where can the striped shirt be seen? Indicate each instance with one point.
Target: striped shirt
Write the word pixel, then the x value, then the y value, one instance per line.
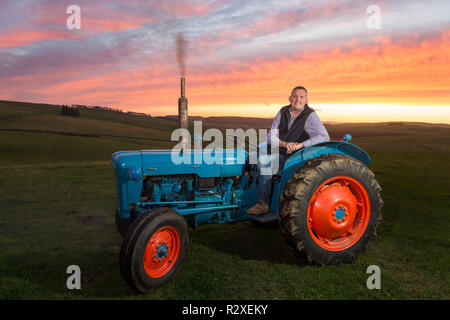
pixel 313 127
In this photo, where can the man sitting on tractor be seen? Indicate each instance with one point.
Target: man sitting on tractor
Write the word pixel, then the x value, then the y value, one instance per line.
pixel 298 127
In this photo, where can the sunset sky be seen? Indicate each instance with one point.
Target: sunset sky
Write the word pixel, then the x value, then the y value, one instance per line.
pixel 242 58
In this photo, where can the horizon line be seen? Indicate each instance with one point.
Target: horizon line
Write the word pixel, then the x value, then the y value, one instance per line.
pixel 331 122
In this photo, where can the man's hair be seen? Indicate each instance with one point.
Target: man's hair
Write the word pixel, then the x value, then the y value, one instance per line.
pixel 300 87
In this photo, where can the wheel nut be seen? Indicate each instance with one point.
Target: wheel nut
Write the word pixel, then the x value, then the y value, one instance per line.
pixel 339 221
pixel 334 219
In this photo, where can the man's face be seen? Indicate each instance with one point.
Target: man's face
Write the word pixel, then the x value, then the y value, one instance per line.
pixel 298 99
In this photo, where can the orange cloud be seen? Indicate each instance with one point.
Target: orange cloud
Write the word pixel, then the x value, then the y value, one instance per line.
pixel 411 71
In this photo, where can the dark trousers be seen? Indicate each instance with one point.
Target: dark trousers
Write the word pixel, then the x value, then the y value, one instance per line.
pixel 264 182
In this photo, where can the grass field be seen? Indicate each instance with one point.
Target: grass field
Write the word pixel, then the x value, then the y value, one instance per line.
pixel 57 202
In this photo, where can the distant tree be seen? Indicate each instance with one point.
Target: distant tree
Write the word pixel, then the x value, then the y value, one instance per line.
pixel 70 111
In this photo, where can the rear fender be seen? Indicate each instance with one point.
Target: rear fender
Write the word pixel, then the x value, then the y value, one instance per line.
pixel 299 159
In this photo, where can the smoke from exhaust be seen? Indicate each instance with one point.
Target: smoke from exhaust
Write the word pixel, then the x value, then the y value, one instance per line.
pixel 181 53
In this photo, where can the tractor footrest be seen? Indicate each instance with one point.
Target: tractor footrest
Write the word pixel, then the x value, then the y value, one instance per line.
pixel 271 216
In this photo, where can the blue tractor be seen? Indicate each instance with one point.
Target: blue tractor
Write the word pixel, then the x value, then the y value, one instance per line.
pixel 325 200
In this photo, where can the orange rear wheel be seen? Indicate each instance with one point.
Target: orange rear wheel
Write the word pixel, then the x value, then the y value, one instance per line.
pixel 338 213
pixel 330 209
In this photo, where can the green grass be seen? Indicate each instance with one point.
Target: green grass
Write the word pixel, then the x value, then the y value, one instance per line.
pixel 57 209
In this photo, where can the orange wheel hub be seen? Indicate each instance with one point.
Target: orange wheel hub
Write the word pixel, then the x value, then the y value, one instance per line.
pixel 162 251
pixel 338 213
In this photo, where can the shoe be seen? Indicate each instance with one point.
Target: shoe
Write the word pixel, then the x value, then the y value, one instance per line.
pixel 259 208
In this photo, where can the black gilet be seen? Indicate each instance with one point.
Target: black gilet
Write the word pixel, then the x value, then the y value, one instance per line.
pixel 296 133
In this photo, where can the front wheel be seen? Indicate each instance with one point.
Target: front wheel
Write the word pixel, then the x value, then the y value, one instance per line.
pixel 121 225
pixel 154 249
pixel 330 209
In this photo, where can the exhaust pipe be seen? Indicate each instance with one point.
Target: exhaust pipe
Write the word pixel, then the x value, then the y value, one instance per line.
pixel 182 108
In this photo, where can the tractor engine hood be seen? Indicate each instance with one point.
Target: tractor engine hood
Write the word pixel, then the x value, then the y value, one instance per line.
pixel 204 163
pixel 125 162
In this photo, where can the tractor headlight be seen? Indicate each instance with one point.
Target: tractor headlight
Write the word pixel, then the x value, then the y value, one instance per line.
pixel 135 173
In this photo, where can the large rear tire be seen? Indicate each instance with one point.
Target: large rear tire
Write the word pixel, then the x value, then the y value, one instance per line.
pixel 154 249
pixel 330 209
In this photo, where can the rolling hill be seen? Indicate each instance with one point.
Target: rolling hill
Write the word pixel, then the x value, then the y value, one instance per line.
pixel 58 198
pixel 38 133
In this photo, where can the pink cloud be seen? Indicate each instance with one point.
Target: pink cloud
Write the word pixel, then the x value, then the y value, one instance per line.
pixel 49 22
pixel 182 9
pixel 17 37
pixel 96 19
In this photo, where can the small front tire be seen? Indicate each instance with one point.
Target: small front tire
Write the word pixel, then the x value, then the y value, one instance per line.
pixel 154 249
pixel 121 225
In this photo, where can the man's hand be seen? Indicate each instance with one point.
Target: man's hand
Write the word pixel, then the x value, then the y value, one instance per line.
pixel 293 146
